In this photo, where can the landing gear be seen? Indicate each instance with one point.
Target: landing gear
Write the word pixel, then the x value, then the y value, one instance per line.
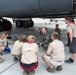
pixel 32 23
pixel 1 26
pixel 18 24
pixel 5 25
pixel 28 24
pixel 24 23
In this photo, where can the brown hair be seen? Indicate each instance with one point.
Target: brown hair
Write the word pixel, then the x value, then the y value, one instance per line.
pixel 46 29
pixel 55 35
pixel 5 33
pixel 69 18
pixel 22 38
pixel 31 38
pixel 57 25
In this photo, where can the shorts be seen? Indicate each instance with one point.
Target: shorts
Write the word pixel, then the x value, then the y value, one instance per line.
pixel 73 46
pixel 30 67
pixel 52 61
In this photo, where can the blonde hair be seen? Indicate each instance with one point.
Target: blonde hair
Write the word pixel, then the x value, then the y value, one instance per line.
pixel 31 38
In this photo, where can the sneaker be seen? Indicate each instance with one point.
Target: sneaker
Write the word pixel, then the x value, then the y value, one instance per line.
pixel 51 70
pixel 15 59
pixel 59 68
pixel 32 72
pixel 69 61
pixel 25 72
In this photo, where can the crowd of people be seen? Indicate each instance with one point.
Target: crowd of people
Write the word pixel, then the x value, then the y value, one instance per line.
pixel 26 49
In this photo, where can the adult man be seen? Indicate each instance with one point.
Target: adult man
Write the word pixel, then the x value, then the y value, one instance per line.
pixel 71 29
pixel 46 38
pixel 55 55
pixel 57 29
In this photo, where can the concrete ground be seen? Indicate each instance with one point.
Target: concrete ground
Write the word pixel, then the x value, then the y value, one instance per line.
pixel 9 67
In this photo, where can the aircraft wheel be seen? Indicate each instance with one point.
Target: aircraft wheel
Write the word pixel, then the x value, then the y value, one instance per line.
pixel 1 26
pixel 32 24
pixel 25 24
pixel 18 24
pixel 7 25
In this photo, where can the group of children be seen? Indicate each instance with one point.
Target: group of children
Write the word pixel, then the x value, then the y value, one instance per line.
pixel 26 51
pixel 23 50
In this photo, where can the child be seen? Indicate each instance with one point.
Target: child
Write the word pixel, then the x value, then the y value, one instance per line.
pixel 17 48
pixel 29 59
pixel 7 50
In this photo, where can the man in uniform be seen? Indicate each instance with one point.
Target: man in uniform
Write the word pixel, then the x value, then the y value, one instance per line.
pixel 71 29
pixel 57 29
pixel 46 38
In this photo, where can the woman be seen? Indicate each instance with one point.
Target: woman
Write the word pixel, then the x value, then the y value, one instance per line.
pixel 17 48
pixel 29 59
